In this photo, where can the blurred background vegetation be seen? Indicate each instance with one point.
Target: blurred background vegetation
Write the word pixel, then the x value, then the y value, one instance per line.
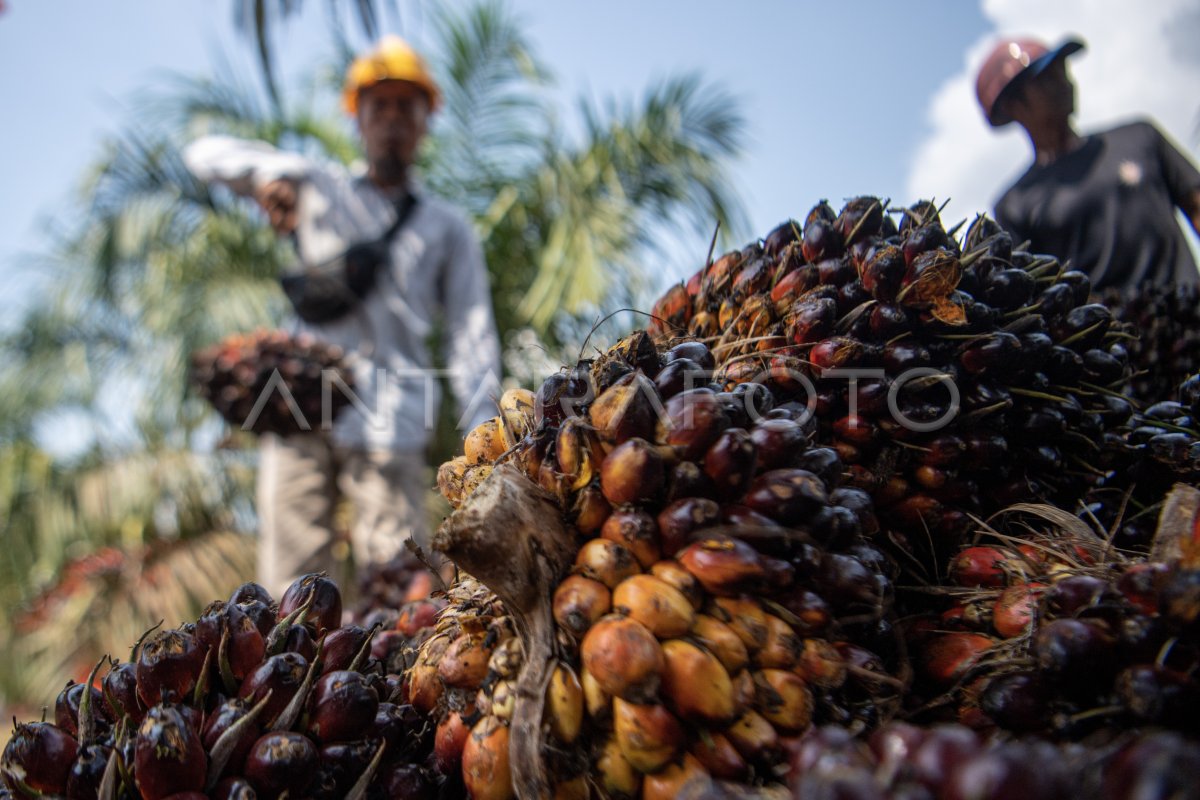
pixel 152 517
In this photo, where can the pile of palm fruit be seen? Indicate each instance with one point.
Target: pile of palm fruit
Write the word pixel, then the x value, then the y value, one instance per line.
pixel 253 699
pixel 862 513
pixel 1167 348
pixel 273 382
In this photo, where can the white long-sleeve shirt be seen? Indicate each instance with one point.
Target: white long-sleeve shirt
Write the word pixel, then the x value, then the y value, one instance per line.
pixel 436 265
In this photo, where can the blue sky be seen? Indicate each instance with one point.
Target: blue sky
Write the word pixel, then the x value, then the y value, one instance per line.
pixel 833 92
pixel 841 98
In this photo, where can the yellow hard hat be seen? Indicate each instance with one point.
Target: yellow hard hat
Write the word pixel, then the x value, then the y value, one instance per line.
pixel 393 59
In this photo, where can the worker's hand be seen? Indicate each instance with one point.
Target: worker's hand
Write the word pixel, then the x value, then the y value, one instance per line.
pixel 278 199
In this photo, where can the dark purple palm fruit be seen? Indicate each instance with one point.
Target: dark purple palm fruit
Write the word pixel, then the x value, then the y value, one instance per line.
pixel 87 773
pixel 281 675
pixel 925 239
pixel 409 781
pixel 982 230
pixel 1080 284
pixel 236 745
pixel 731 462
pixel 300 640
pixel 282 762
pixel 343 763
pixel 1009 289
pixel 1155 765
pixel 882 274
pixel 1084 327
pixel 788 496
pixel 342 706
pixel 680 375
pixel 38 756
pixel 997 352
pixel 753 278
pixel 120 693
pixel 697 352
pixel 1158 696
pixel 861 217
pixel 780 237
pixel 402 728
pixel 943 747
pixel 168 666
pixel 244 645
pixel 836 272
pixel 343 646
pixel 918 215
pixel 691 423
pixel 66 710
pixel 778 442
pixel 233 789
pixel 211 624
pixel 325 613
pixel 821 241
pixel 811 319
pixel 168 756
pixel 1017 701
pixel 1055 300
pixel 257 604
pixel 888 321
pixel 1078 655
pixel 1189 394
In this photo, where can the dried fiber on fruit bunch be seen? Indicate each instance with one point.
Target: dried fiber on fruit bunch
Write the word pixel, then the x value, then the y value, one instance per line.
pixel 253 699
pixel 989 367
pixel 1053 631
pixel 691 586
pixel 1166 349
pixel 1151 450
pixel 273 382
pixel 904 762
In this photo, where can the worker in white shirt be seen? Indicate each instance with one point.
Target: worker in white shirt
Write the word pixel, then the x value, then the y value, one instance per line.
pixel 374 455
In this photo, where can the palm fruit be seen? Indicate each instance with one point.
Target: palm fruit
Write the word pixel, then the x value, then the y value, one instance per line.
pixel 219 708
pixel 952 761
pixel 683 608
pixel 1054 632
pixel 952 376
pixel 272 381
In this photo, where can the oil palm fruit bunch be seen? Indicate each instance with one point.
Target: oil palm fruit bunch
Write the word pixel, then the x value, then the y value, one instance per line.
pixel 952 376
pixel 1167 348
pixel 952 762
pixel 253 699
pixel 1056 633
pixel 272 381
pixel 719 591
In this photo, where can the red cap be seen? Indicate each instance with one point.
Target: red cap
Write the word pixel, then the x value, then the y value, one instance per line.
pixel 1011 61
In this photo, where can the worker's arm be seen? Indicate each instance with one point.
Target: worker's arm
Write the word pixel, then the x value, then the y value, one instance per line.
pixel 253 169
pixel 1182 178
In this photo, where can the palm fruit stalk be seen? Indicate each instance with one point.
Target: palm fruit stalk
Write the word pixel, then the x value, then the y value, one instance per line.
pixel 272 381
pixel 690 586
pixel 253 699
pixel 952 376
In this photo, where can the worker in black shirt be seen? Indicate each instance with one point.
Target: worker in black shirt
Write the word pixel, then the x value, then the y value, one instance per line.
pixel 1106 201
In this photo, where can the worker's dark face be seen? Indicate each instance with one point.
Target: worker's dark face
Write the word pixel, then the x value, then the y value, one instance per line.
pixel 393 117
pixel 1048 97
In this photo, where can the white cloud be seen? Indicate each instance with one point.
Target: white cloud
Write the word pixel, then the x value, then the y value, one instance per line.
pixel 1140 62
